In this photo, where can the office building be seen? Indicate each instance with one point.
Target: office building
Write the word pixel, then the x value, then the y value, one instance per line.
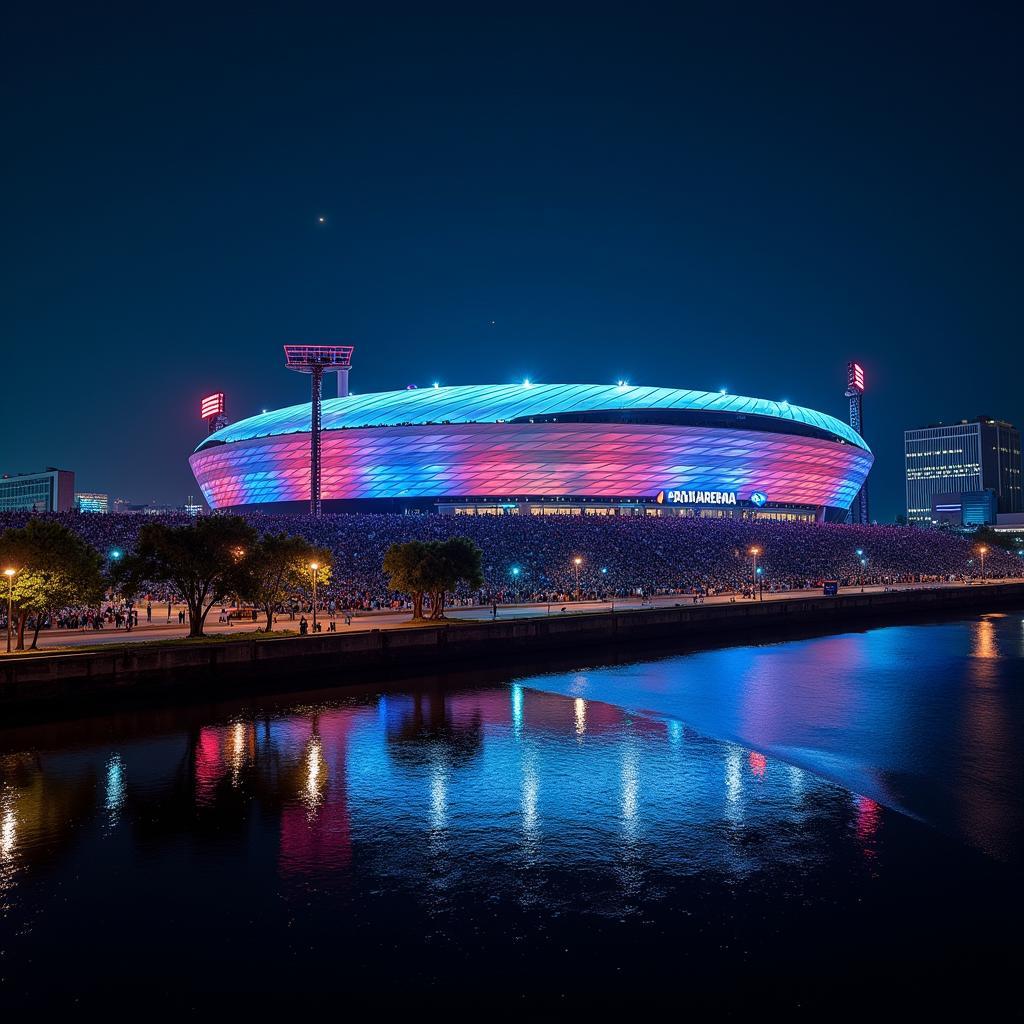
pixel 962 458
pixel 53 490
pixel 88 502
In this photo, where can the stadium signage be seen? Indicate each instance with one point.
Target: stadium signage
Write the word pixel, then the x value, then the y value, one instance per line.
pixel 697 497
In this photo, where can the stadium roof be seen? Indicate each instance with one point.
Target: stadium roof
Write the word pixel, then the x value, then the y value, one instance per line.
pixel 495 403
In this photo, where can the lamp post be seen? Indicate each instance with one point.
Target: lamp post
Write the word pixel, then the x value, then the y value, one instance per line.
pixel 982 551
pixel 576 563
pixel 314 566
pixel 239 555
pixel 10 574
pixel 754 552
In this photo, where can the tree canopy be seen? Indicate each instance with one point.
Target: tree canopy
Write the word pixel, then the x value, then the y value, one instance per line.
pixel 205 562
pixel 434 568
pixel 276 566
pixel 55 569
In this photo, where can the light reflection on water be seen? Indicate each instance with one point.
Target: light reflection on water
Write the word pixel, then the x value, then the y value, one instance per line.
pixel 438 818
pixel 927 720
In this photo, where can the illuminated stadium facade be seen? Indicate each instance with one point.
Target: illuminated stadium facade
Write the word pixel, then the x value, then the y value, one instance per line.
pixel 542 449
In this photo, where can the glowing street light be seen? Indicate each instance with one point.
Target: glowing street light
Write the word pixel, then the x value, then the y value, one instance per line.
pixel 577 562
pixel 754 552
pixel 982 551
pixel 10 574
pixel 314 566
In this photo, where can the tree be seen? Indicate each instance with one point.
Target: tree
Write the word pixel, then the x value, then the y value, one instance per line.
pixel 435 568
pixel 204 561
pixel 404 564
pixel 56 569
pixel 276 566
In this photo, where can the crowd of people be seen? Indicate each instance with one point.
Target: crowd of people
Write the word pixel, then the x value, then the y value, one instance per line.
pixel 559 558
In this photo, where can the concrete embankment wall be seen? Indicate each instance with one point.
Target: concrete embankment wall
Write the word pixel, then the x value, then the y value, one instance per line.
pixel 214 668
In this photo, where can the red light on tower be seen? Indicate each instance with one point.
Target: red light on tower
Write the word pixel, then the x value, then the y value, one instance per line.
pixel 211 405
pixel 855 376
pixel 211 409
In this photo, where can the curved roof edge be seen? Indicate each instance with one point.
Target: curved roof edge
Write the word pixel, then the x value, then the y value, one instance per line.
pixel 497 403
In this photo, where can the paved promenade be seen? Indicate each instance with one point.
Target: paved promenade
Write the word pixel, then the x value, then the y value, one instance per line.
pixel 159 629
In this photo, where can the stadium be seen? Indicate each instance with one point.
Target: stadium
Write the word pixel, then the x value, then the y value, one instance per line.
pixel 543 449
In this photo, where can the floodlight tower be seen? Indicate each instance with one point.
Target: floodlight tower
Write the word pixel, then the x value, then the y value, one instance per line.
pixel 855 393
pixel 314 360
pixel 211 409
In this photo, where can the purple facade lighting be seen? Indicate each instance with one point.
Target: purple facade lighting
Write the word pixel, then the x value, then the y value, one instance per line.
pixel 532 456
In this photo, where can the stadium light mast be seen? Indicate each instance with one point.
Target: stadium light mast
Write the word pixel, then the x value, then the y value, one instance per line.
pixel 314 360
pixel 211 409
pixel 859 512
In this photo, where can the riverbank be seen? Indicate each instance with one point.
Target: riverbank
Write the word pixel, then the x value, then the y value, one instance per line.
pixel 56 684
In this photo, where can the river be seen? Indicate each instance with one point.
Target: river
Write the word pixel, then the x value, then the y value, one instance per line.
pixel 761 823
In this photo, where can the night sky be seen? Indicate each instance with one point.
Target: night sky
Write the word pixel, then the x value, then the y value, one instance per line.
pixel 700 197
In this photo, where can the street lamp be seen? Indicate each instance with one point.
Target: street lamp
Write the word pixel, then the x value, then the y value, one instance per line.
pixel 982 550
pixel 754 552
pixel 314 566
pixel 10 574
pixel 577 561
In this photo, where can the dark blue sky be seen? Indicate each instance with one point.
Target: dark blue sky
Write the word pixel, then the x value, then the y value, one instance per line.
pixel 720 196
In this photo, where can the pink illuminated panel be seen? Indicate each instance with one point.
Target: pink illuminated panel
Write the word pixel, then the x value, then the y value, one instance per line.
pixel 211 405
pixel 552 459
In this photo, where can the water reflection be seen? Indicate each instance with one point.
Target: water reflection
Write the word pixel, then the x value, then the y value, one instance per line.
pixel 984 642
pixel 515 808
pixel 8 826
pixel 926 720
pixel 115 795
pixel 451 766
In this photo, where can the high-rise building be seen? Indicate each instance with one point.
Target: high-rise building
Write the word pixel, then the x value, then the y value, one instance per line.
pixel 962 458
pixel 89 502
pixel 52 490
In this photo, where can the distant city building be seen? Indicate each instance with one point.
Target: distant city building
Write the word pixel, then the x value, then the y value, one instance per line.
pixel 970 508
pixel 125 507
pixel 1012 522
pixel 53 490
pixel 87 502
pixel 962 458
